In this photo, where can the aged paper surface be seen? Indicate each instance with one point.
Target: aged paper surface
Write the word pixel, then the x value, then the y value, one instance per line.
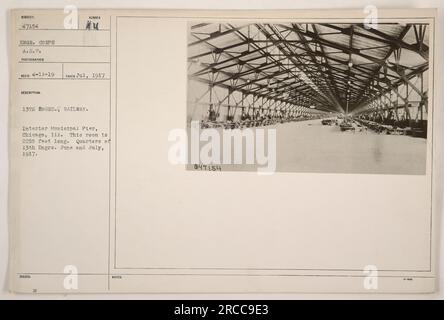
pixel 337 196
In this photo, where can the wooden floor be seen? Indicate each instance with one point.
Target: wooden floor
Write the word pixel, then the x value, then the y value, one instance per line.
pixel 311 147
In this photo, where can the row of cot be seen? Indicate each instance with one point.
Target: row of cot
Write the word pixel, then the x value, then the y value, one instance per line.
pixel 249 123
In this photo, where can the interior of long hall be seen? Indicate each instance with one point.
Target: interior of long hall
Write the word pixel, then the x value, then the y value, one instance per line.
pixel 345 98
